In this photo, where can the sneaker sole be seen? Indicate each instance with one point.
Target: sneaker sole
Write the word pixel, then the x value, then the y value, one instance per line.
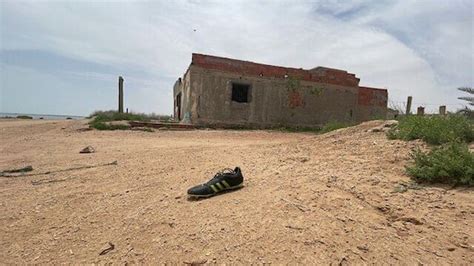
pixel 210 195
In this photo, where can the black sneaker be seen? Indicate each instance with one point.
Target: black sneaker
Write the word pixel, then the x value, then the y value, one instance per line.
pixel 226 179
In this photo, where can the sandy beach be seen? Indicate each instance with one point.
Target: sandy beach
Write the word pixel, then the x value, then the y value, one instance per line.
pixel 330 198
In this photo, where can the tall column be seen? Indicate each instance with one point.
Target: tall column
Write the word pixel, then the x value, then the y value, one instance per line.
pixel 408 105
pixel 442 110
pixel 120 98
pixel 420 111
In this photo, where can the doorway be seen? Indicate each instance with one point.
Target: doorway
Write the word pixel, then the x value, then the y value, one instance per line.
pixel 178 106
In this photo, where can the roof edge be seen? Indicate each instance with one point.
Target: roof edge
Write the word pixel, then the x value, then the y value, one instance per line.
pixel 262 64
pixel 372 88
pixel 318 74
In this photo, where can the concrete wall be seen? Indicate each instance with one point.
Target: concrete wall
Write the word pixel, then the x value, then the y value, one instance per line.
pixel 183 86
pixel 177 88
pixel 206 100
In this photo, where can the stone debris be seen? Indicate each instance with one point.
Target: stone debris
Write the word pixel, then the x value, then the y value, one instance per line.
pixel 107 248
pixel 123 123
pixel 400 189
pixel 404 187
pixel 364 248
pixel 28 168
pixel 88 149
pixel 390 123
pixel 195 263
pixel 412 220
pixel 384 127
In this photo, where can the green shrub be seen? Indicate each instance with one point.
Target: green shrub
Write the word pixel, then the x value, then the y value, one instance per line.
pixel 330 126
pixel 105 116
pixel 100 117
pixel 24 117
pixel 450 163
pixel 468 113
pixel 433 129
pixel 116 116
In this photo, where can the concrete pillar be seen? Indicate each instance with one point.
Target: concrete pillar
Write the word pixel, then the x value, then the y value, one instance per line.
pixel 408 105
pixel 442 110
pixel 420 110
pixel 120 98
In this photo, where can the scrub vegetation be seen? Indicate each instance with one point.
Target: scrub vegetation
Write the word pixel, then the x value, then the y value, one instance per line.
pixel 24 117
pixel 449 160
pixel 434 130
pixel 449 163
pixel 101 119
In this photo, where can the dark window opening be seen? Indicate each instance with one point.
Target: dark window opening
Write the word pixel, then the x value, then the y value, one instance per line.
pixel 240 93
pixel 178 106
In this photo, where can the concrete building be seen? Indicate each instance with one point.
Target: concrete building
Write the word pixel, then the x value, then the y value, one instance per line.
pixel 227 92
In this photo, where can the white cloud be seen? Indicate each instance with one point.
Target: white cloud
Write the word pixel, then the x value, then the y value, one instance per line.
pixel 418 48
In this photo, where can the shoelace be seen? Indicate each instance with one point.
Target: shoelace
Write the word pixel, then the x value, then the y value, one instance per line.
pixel 221 173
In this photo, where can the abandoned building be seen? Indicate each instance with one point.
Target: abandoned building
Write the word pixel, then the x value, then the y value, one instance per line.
pixel 227 92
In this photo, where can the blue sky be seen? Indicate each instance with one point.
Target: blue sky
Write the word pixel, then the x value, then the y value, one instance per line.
pixel 64 57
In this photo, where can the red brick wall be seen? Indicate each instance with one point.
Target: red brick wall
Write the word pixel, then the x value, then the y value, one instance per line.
pixel 327 75
pixel 372 97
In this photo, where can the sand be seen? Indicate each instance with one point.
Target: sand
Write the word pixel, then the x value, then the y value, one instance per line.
pixel 331 198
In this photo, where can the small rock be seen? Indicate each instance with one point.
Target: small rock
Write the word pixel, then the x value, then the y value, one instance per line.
pixel 107 248
pixel 197 262
pixel 410 220
pixel 383 209
pixel 390 123
pixel 376 129
pixel 88 149
pixel 375 182
pixel 303 160
pixel 400 189
pixel 451 248
pixel 363 248
pixel 332 179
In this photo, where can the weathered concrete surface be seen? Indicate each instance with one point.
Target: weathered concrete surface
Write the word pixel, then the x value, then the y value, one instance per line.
pixel 120 98
pixel 278 96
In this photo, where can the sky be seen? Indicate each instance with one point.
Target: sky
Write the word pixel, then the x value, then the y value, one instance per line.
pixel 64 57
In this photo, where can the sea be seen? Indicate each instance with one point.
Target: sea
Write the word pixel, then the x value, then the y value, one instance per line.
pixel 41 116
